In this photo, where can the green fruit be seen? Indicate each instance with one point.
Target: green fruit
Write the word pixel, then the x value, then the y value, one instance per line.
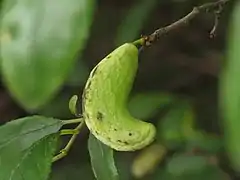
pixel 105 101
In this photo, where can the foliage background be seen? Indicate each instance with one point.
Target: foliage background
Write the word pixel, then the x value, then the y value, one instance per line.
pixel 185 63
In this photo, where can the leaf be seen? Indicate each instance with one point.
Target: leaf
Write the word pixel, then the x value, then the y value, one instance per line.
pixel 134 20
pixel 19 136
pixel 188 167
pixel 25 131
pixel 209 173
pixel 181 163
pixel 123 166
pixel 146 105
pixel 39 43
pixel 206 142
pixel 176 126
pixel 230 90
pixel 102 160
pixel 33 163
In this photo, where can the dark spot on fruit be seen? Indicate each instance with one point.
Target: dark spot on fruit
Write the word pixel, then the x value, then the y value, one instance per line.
pixel 125 142
pixel 99 116
pixel 109 138
pixel 108 57
pixel 115 129
pixel 130 134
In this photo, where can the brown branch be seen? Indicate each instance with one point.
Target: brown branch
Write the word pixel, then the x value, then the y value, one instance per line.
pixel 214 7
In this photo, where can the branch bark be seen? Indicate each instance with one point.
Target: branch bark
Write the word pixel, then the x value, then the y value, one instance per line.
pixel 212 7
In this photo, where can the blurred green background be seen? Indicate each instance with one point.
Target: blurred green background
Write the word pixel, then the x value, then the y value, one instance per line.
pixel 176 88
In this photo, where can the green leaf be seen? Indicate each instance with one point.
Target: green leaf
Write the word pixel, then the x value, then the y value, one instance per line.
pixel 146 105
pixel 25 131
pixel 176 125
pixel 17 139
pixel 39 44
pixel 33 163
pixel 188 167
pixel 122 161
pixel 134 20
pixel 230 90
pixel 102 160
pixel 208 173
pixel 181 164
pixel 206 142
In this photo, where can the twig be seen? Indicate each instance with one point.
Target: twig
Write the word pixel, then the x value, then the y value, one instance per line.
pixel 74 133
pixel 217 14
pixel 214 7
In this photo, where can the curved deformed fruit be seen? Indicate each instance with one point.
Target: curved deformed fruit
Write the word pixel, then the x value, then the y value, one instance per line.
pixel 105 99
